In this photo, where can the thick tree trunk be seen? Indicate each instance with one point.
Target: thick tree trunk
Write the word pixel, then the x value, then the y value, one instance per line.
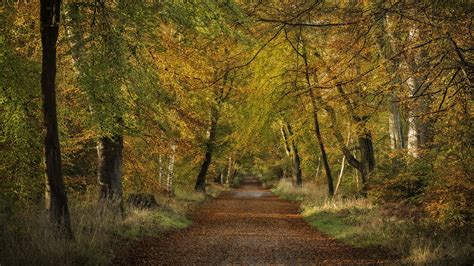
pixel 55 193
pixel 201 178
pixel 109 151
pixel 418 128
pixel 395 124
pixel 367 159
pixel 419 133
pixel 296 157
pixel 386 52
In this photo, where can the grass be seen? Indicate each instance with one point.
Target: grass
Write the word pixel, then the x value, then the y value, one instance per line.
pixel 27 237
pixel 357 221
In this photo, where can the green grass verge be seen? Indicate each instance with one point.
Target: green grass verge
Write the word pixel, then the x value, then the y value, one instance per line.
pixel 342 226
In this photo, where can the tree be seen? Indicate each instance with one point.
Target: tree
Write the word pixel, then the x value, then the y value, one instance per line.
pixel 56 196
pixel 292 151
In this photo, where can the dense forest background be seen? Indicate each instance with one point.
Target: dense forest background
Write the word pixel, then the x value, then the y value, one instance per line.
pixel 354 99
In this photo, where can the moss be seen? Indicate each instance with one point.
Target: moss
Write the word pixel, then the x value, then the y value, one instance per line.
pixel 169 220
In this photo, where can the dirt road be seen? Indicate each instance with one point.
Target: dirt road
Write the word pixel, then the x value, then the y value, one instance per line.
pixel 248 225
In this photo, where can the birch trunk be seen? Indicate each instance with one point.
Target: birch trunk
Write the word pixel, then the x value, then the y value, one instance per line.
pixel 339 179
pixel 342 165
pixel 229 170
pixel 169 182
pixel 160 172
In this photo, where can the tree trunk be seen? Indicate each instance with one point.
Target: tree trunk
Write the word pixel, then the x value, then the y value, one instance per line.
pixel 160 172
pixel 319 167
pixel 169 181
pixel 419 134
pixel 386 51
pixel 418 129
pixel 367 159
pixel 109 151
pixel 285 140
pixel 317 128
pixel 343 162
pixel 201 178
pixel 55 193
pixel 296 157
pixel 395 124
pixel 229 170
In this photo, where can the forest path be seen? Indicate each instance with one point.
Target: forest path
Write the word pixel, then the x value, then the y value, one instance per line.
pixel 248 225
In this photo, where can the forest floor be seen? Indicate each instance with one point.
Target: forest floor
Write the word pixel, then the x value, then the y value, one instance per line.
pixel 248 225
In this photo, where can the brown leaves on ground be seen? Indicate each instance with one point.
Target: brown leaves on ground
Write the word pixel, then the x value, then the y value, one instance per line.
pixel 247 226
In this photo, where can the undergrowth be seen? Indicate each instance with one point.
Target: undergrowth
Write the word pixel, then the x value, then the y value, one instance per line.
pixel 357 221
pixel 27 238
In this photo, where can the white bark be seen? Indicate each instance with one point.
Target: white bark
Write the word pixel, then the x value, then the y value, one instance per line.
pixel 160 172
pixel 319 167
pixel 395 124
pixel 340 174
pixel 385 41
pixel 169 185
pixel 229 170
pixel 343 163
pixel 417 128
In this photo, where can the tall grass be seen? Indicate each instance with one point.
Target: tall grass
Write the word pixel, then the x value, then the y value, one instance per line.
pixel 28 238
pixel 359 222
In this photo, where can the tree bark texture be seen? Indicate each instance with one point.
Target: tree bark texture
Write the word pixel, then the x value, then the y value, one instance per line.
pixel 419 132
pixel 201 178
pixel 386 51
pixel 317 128
pixel 109 151
pixel 55 193
pixel 169 180
pixel 295 156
